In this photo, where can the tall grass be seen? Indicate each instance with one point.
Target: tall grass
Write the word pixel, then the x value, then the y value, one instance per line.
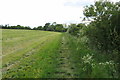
pixel 90 63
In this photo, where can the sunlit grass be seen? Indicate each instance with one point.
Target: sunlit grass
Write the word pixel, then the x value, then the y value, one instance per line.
pixel 33 59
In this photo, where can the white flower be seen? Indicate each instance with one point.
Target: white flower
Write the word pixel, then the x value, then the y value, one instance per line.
pixel 87 58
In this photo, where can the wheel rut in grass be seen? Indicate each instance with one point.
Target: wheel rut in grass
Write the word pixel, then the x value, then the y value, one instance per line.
pixel 65 68
pixel 32 51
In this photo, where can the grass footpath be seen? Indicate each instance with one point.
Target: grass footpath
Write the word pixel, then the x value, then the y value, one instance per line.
pixel 69 59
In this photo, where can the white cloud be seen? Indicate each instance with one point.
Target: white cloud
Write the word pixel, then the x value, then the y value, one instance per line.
pixel 78 3
pixel 38 12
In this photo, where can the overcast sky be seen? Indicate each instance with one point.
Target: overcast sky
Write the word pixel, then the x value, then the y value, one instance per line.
pixel 38 12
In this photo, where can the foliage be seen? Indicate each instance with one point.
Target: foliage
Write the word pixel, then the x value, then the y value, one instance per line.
pixel 74 29
pixel 102 35
pixel 46 26
pixel 38 28
pixel 103 32
pixel 15 27
pixel 89 63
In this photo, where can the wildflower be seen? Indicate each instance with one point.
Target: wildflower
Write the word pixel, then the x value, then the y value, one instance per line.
pixel 87 58
pixel 93 65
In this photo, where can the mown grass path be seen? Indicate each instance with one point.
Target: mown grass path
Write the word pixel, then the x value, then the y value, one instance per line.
pixel 65 67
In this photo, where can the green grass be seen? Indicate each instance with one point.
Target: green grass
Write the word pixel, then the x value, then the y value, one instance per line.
pixel 17 43
pixel 43 54
pixel 39 44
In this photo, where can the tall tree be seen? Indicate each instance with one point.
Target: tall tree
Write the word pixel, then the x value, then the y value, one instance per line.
pixel 46 26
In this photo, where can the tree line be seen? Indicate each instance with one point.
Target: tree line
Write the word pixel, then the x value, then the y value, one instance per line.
pixel 47 27
pixel 15 27
pixel 52 27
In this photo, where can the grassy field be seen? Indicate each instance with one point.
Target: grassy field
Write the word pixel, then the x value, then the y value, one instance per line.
pixel 43 54
pixel 27 52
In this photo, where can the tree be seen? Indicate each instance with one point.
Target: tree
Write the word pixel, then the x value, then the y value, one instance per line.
pixel 105 15
pixel 81 25
pixel 46 26
pixel 74 29
pixel 59 27
pixel 39 28
pixel 34 28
